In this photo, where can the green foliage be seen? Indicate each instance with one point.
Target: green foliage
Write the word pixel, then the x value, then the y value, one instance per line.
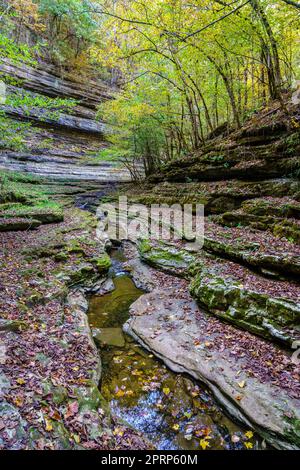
pixel 13 133
pixel 52 107
pixel 137 127
pixel 188 68
pixel 9 49
pixel 70 28
pixel 24 196
pixel 76 12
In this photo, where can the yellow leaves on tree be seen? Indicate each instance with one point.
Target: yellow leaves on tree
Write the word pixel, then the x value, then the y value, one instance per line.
pixel 28 14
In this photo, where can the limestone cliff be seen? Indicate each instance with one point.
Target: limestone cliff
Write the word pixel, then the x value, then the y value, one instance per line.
pixel 59 144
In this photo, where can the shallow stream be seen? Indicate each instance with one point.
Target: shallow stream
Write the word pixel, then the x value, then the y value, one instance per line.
pixel 170 410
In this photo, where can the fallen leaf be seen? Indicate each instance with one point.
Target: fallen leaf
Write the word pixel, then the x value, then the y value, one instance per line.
pixel 71 410
pixel 20 381
pixel 48 424
pixel 118 432
pixel 248 445
pixel 76 438
pixel 204 444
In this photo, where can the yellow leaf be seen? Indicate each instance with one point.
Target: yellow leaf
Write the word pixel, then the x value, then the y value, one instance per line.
pixel 242 384
pixel 48 424
pixel 249 434
pixel 120 393
pixel 248 445
pixel 204 444
pixel 118 432
pixel 137 372
pixel 18 401
pixel 175 427
pixel 166 390
pixel 20 381
pixel 76 438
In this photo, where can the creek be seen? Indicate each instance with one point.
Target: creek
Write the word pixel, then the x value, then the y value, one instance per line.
pixel 171 410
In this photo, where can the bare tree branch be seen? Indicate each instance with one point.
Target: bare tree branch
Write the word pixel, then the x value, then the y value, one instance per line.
pixel 216 21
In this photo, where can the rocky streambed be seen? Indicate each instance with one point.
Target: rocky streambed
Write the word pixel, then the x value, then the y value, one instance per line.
pixel 172 411
pixel 170 374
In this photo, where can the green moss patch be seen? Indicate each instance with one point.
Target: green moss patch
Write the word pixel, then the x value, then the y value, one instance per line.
pixel 23 197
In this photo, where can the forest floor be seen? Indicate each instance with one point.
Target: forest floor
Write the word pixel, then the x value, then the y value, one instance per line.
pixel 49 397
pixel 227 315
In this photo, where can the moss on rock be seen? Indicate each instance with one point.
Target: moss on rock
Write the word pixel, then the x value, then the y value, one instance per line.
pixel 259 313
pixel 166 257
pixel 102 263
pixel 18 223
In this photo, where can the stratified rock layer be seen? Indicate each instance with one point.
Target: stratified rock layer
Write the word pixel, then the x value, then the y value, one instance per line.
pixel 60 145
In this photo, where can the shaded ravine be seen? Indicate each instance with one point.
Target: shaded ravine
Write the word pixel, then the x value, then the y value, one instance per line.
pixel 170 410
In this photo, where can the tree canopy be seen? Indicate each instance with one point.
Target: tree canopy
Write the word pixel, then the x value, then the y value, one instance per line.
pixel 188 67
pixel 183 68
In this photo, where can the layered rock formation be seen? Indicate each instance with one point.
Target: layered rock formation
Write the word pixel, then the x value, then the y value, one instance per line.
pixel 244 279
pixel 60 145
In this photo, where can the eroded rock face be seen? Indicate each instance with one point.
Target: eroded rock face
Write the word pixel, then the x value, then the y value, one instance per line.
pixel 47 80
pixel 159 322
pixel 63 121
pixel 279 215
pixel 261 152
pixel 267 308
pixel 60 145
pixel 217 197
pixel 285 263
pixel 274 318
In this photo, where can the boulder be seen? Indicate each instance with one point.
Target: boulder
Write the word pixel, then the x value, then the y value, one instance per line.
pixel 109 337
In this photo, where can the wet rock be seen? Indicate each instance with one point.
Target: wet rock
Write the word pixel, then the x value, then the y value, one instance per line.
pixel 103 263
pixel 104 286
pixel 109 337
pixel 77 275
pixel 166 258
pixel 253 404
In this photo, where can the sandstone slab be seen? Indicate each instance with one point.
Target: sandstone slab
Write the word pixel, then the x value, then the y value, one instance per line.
pixel 246 398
